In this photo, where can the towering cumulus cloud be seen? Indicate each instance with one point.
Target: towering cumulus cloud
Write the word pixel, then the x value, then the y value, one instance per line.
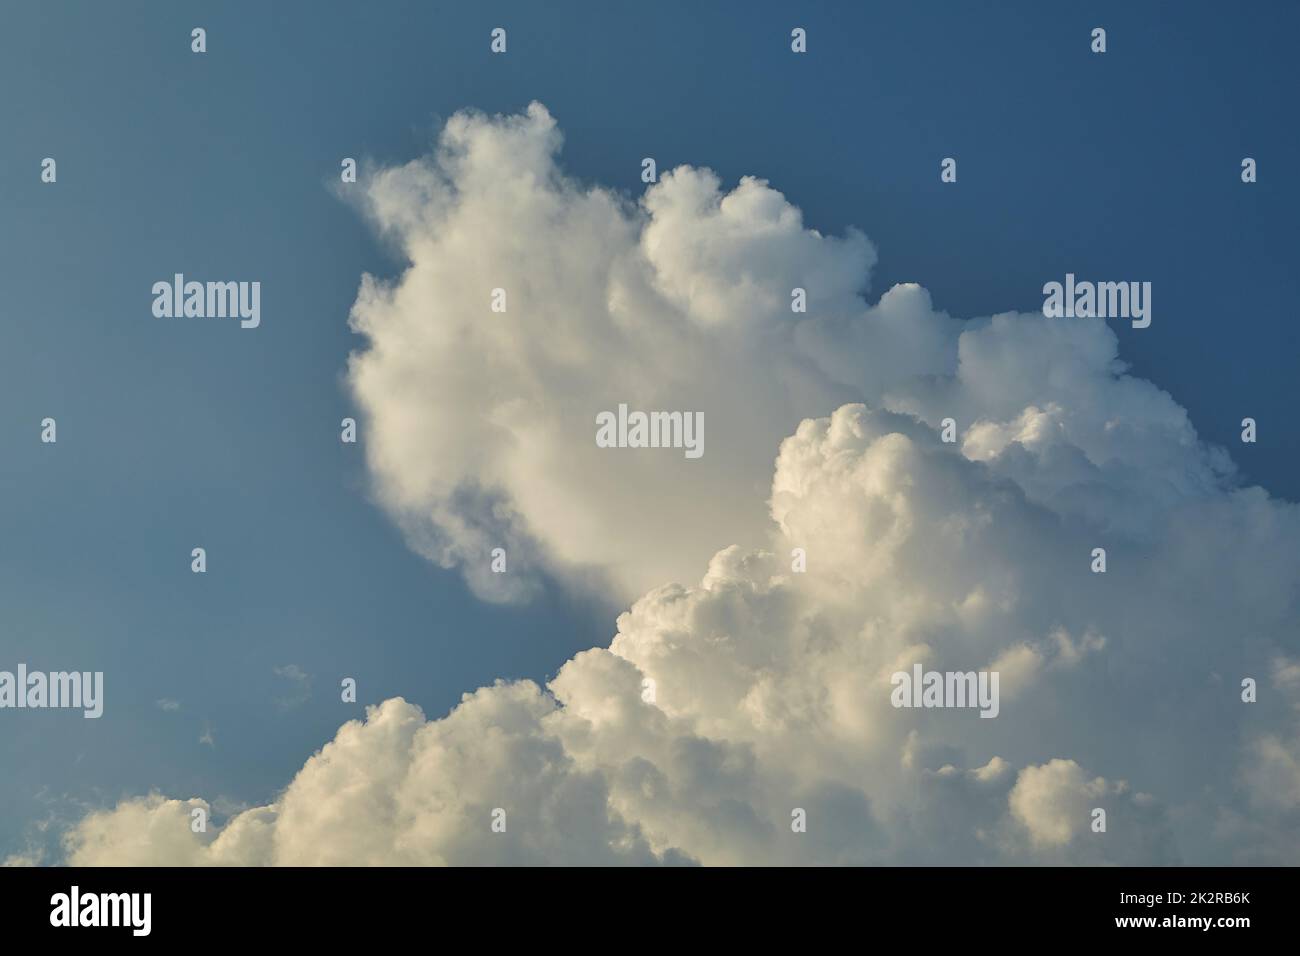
pixel 729 712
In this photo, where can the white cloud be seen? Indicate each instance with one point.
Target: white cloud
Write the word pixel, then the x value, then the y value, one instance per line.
pixel 771 688
pixel 1053 801
pixel 481 425
pixel 148 831
pixel 397 789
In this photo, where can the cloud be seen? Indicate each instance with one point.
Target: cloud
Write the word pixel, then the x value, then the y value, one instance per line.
pixel 299 684
pixel 29 858
pixel 481 425
pixel 397 789
pixel 149 831
pixel 748 690
pixel 1053 801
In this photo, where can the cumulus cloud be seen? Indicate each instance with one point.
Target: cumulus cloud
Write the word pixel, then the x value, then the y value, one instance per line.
pixel 396 789
pixel 749 690
pixel 481 425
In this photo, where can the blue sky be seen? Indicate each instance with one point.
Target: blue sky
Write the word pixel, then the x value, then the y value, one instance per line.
pixel 176 435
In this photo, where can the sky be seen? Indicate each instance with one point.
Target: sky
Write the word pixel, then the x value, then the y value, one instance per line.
pixel 176 434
